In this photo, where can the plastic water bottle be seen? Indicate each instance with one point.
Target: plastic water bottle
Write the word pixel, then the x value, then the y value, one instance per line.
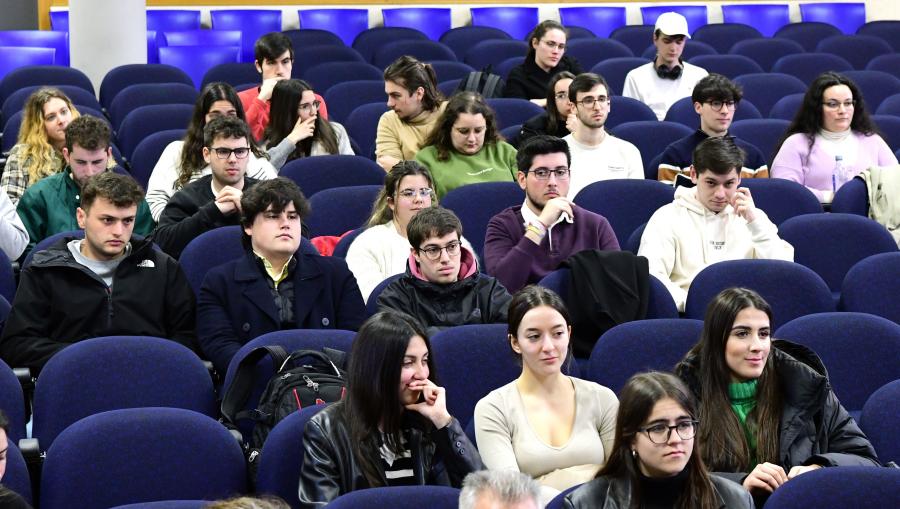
pixel 838 173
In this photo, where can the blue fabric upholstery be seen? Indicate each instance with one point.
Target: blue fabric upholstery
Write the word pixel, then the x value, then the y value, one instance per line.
pixel 141 455
pixel 12 400
pixel 79 96
pixel 431 21
pixel 338 210
pixel 807 33
pixel 787 107
pixel 39 39
pixel 872 286
pixel 516 21
pixel 343 245
pixel 636 37
pixel 59 20
pixel 889 125
pixel 306 37
pixel 368 42
pixel 614 71
pixel 511 111
pixel 118 78
pixel 346 23
pixel 852 198
pixel 494 51
pixel 856 49
pixel 886 30
pixel 424 51
pixel 149 94
pixel 889 106
pixel 314 174
pixel 723 36
pixel 767 18
pixel 147 152
pixel 847 17
pixel 461 39
pixel 808 66
pixel 329 74
pixel 879 421
pixel 400 497
pixel 372 303
pixel 253 23
pixel 763 133
pixel 450 70
pixel 7 278
pixel 200 38
pixel 233 73
pixel 782 199
pixel 49 75
pixel 343 98
pixel 601 21
pixel 625 203
pixel 590 52
pixel 197 60
pixel 16 477
pixel 476 204
pixel 766 52
pixel 173 19
pixel 625 109
pixel 146 120
pixel 651 137
pixel 840 487
pixel 325 54
pixel 730 66
pixel 362 123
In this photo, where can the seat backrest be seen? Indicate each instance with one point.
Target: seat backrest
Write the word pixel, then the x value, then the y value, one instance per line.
pixel 53 39
pixel 626 109
pixel 614 71
pixel 118 78
pixel 807 33
pixel 314 174
pixel 460 39
pixel 447 70
pixel 636 37
pixel 345 23
pixel 808 66
pixel 879 421
pixel 338 210
pixel 146 120
pixel 476 204
pixel 767 18
pixel 765 89
pixel 399 497
pixel 762 133
pixel 109 373
pixel 859 50
pixel 766 52
pixel 494 51
pixel 197 60
pixel 886 30
pixel 847 17
pixel 329 74
pixel 362 125
pixel 343 245
pixel 625 203
pixel 422 50
pixel 313 37
pixel 191 456
pixel 282 456
pixel 730 66
pixel 79 96
pixel 173 19
pixel 601 21
pixel 723 36
pixel 12 400
pixel 40 74
pixel 149 94
pixel 787 107
pixel 343 98
pixel 889 125
pixel 859 350
pixel 516 21
pixel 372 301
pixel 633 347
pixel 871 285
pixel 253 23
pixel 839 487
pixel 233 73
pixel 511 111
pixel 852 198
pixel 651 137
pixel 589 52
pixel 369 41
pixel 148 151
pixel 432 21
pixel 782 199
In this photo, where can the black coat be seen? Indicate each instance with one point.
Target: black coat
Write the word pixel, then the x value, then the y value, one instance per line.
pixel 538 125
pixel 815 428
pixel 528 81
pixel 440 456
pixel 615 493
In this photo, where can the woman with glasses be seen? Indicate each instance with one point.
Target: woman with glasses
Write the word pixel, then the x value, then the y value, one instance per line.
pixel 545 58
pixel 392 428
pixel 555 121
pixel 656 459
pixel 552 426
pixel 182 161
pixel 465 146
pixel 767 411
pixel 831 138
pixel 295 128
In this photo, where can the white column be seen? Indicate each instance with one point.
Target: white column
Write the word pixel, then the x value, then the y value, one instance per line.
pixel 105 34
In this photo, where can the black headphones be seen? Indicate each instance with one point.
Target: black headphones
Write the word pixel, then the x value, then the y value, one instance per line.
pixel 669 74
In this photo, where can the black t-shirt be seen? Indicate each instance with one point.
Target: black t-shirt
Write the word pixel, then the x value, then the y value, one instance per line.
pixel 528 81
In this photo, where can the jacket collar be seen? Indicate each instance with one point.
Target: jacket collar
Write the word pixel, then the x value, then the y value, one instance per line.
pixel 468 266
pixel 256 290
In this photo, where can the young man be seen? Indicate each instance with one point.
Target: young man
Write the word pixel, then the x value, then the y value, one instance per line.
pixel 415 105
pixel 273 287
pixel 274 60
pixel 716 98
pixel 214 200
pixel 48 207
pixel 709 223
pixel 660 83
pixel 106 284
pixel 442 286
pixel 595 154
pixel 526 242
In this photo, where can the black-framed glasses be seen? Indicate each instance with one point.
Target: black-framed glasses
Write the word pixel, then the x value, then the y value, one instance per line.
pixel 225 153
pixel 833 105
pixel 590 101
pixel 423 192
pixel 544 173
pixel 309 107
pixel 718 105
pixel 433 253
pixel 660 433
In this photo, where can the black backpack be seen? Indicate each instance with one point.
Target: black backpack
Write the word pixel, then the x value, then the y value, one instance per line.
pixel 484 82
pixel 303 378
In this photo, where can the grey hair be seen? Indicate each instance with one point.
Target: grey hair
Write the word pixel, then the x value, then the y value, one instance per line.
pixel 505 486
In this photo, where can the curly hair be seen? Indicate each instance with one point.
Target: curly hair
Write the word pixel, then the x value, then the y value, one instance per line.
pixel 463 102
pixel 33 135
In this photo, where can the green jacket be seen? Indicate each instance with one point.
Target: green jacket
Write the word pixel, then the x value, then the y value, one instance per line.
pixel 48 207
pixel 495 162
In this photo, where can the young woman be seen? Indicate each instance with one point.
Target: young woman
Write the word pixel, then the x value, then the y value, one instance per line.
pixel 182 161
pixel 465 146
pixel 656 460
pixel 545 58
pixel 553 427
pixel 555 121
pixel 831 138
pixel 42 135
pixel 765 407
pixel 295 128
pixel 392 428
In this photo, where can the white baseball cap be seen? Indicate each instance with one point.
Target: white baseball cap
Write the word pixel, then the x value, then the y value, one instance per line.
pixel 672 23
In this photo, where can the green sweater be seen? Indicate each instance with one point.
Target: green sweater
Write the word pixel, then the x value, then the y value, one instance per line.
pixel 743 400
pixel 495 162
pixel 48 207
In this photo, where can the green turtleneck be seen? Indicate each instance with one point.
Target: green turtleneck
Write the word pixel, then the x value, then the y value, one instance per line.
pixel 743 400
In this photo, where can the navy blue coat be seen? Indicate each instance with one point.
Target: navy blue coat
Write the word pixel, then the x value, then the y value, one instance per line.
pixel 236 303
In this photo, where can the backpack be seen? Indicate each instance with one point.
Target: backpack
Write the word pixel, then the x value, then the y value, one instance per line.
pixel 303 378
pixel 484 82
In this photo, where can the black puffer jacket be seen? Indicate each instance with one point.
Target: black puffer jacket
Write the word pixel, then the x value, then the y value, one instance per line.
pixel 615 493
pixel 815 428
pixel 440 456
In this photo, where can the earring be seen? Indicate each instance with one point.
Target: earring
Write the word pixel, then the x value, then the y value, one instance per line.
pixel 633 453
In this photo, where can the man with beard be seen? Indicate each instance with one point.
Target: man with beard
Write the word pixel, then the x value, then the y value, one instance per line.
pixel 526 242
pixel 415 103
pixel 214 200
pixel 596 155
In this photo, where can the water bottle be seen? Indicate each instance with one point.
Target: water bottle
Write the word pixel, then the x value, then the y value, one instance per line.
pixel 838 173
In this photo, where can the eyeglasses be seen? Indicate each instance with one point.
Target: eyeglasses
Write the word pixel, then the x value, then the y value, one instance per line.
pixel 833 105
pixel 555 45
pixel 590 101
pixel 225 153
pixel 562 95
pixel 423 192
pixel 433 253
pixel 660 433
pixel 309 107
pixel 544 173
pixel 718 105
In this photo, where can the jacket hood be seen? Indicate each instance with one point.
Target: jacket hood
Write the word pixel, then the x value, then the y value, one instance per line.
pixel 468 266
pixel 686 197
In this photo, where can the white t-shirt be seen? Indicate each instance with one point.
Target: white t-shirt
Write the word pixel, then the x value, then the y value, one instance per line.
pixel 613 158
pixel 659 94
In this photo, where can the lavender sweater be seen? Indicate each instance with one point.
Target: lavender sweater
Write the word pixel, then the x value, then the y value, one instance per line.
pixel 516 261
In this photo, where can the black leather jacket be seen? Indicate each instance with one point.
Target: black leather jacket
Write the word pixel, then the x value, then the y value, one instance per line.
pixel 615 493
pixel 441 456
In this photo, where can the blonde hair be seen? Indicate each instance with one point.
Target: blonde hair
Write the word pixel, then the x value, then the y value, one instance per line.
pixel 33 135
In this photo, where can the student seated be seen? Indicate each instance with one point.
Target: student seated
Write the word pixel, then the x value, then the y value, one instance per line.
pixel 831 139
pixel 104 285
pixel 709 223
pixel 656 458
pixel 296 129
pixel 442 286
pixel 546 58
pixel 9 499
pixel 182 161
pixel 767 409
pixel 273 287
pixel 526 242
pixel 48 206
pixel 551 426
pixel 556 120
pixel 415 104
pixel 393 427
pixel 499 489
pixel 465 146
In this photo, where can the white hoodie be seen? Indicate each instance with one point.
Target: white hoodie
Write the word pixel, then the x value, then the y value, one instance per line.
pixel 684 237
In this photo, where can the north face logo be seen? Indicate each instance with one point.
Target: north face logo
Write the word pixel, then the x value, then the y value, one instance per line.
pixel 147 264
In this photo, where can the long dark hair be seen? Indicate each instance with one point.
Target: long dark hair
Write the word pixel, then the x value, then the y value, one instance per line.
pixel 381 212
pixel 373 380
pixel 636 401
pixel 552 111
pixel 808 119
pixel 192 152
pixel 286 97
pixel 463 102
pixel 725 447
